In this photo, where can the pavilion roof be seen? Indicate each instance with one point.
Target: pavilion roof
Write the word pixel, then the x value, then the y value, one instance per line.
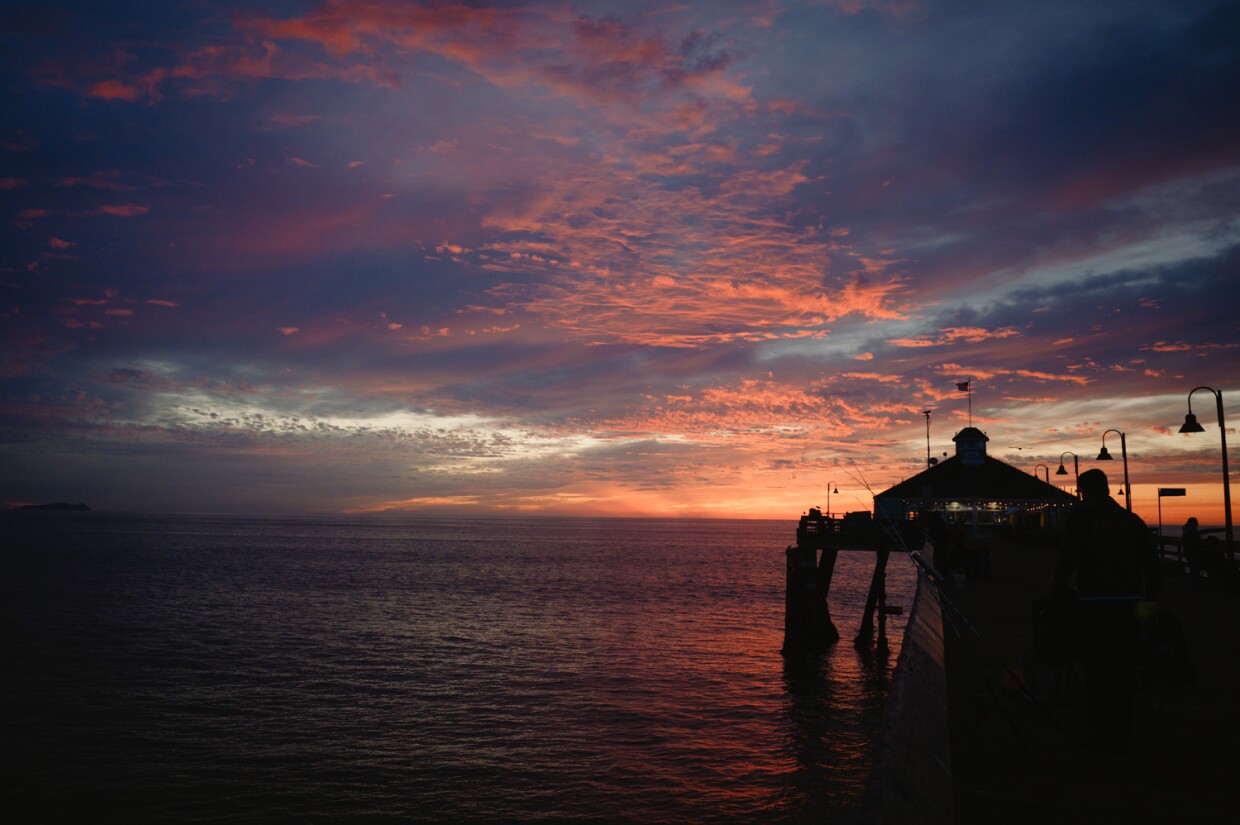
pixel 991 479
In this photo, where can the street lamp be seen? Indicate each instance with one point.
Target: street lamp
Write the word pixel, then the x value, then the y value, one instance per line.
pixel 1105 456
pixel 1048 472
pixel 831 484
pixel 1076 469
pixel 1191 426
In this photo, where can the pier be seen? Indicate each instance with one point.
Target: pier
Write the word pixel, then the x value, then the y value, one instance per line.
pixel 975 733
pixel 978 728
pixel 1014 757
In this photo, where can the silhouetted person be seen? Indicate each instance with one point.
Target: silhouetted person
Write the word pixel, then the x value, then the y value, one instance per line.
pixel 1116 564
pixel 936 530
pixel 1220 574
pixel 1190 546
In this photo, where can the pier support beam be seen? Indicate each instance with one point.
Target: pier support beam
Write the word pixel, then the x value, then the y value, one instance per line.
pixel 875 603
pixel 807 618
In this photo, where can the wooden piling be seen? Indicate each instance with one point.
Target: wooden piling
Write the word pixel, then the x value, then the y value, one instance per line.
pixel 875 602
pixel 807 617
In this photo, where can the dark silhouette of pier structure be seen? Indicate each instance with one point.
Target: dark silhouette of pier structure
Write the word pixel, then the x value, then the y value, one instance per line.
pixel 808 628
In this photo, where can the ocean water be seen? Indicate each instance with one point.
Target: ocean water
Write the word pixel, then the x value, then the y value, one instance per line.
pixel 239 669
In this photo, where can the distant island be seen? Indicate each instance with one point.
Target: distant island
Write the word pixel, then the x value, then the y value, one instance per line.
pixel 60 506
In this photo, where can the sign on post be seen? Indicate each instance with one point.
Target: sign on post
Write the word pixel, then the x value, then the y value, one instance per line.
pixel 1164 492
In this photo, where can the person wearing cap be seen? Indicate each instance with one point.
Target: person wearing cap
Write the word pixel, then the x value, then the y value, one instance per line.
pixel 1115 561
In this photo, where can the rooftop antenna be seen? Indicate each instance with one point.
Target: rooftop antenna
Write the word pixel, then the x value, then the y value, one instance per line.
pixel 926 413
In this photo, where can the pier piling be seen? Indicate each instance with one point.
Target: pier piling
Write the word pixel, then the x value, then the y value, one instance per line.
pixel 807 618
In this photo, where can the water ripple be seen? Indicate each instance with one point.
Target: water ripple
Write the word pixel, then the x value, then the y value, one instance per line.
pixel 533 670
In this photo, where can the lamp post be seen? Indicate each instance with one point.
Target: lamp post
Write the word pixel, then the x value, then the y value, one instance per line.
pixel 1076 469
pixel 831 484
pixel 1191 426
pixel 1105 456
pixel 1048 472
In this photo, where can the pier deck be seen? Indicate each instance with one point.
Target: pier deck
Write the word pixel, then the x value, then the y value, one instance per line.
pixel 1015 759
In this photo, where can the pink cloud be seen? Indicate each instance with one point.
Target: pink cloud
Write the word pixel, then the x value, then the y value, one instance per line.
pixel 115 90
pixel 626 259
pixel 124 210
pixel 294 120
pixel 560 50
pixel 110 180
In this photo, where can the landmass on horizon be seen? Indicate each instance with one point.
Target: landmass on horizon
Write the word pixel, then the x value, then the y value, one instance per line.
pixel 59 506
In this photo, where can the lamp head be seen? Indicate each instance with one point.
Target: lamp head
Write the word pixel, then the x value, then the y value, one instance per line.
pixel 1104 455
pixel 1191 426
pixel 1061 471
pixel 836 490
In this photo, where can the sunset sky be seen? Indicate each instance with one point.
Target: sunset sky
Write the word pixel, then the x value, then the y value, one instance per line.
pixel 610 258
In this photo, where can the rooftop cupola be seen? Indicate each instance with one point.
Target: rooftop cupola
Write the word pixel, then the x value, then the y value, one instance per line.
pixel 971 445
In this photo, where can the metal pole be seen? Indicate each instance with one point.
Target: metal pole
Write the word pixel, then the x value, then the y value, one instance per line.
pixel 927 415
pixel 1160 532
pixel 1222 429
pixel 1123 448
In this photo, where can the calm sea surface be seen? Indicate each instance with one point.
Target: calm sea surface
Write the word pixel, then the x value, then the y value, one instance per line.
pixel 228 669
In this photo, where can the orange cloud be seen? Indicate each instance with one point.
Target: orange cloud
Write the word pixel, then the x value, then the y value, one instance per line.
pixel 953 335
pixel 1180 346
pixel 874 376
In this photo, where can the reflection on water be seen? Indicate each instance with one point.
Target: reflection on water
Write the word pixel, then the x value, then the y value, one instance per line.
pixel 575 670
pixel 833 707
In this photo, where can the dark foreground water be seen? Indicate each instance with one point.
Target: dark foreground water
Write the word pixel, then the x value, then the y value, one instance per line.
pixel 226 669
